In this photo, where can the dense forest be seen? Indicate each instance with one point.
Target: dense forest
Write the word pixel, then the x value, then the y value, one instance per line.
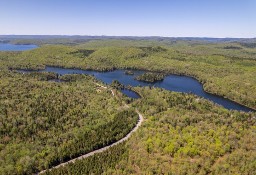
pixel 44 122
pixel 221 67
pixel 150 77
pixel 96 164
pixel 182 134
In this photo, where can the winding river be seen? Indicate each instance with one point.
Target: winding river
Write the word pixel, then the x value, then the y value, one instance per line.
pixel 171 82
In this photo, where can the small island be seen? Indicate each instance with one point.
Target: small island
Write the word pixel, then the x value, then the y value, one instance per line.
pixel 150 77
pixel 129 72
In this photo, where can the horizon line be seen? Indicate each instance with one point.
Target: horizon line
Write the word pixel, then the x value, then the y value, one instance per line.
pixel 146 36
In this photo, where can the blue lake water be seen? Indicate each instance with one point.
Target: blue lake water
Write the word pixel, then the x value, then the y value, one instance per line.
pixel 13 47
pixel 130 93
pixel 171 82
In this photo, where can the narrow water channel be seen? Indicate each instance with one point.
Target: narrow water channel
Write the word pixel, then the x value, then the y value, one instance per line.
pixel 171 82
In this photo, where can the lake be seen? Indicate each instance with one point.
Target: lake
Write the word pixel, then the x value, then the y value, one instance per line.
pixel 13 47
pixel 171 82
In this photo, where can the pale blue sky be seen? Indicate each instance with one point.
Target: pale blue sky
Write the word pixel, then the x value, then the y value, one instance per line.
pixel 174 18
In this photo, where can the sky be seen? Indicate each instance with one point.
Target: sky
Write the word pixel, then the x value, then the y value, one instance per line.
pixel 169 18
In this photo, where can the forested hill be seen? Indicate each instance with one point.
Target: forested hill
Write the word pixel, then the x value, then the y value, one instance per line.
pixel 77 39
pixel 44 123
pixel 182 134
pixel 225 68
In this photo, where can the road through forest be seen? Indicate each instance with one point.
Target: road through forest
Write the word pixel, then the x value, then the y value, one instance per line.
pixel 106 147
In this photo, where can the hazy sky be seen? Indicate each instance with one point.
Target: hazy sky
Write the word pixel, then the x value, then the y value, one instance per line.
pixel 175 18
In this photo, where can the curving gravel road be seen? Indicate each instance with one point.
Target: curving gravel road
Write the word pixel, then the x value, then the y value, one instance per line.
pixel 104 148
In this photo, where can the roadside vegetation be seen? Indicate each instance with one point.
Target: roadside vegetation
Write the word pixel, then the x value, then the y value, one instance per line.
pixel 45 123
pixel 182 134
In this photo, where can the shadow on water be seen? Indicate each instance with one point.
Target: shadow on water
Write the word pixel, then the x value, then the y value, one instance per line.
pixel 130 93
pixel 175 83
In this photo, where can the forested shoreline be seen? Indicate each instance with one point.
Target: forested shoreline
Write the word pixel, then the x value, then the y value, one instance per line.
pixel 44 123
pixel 182 134
pixel 225 72
pixel 150 77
